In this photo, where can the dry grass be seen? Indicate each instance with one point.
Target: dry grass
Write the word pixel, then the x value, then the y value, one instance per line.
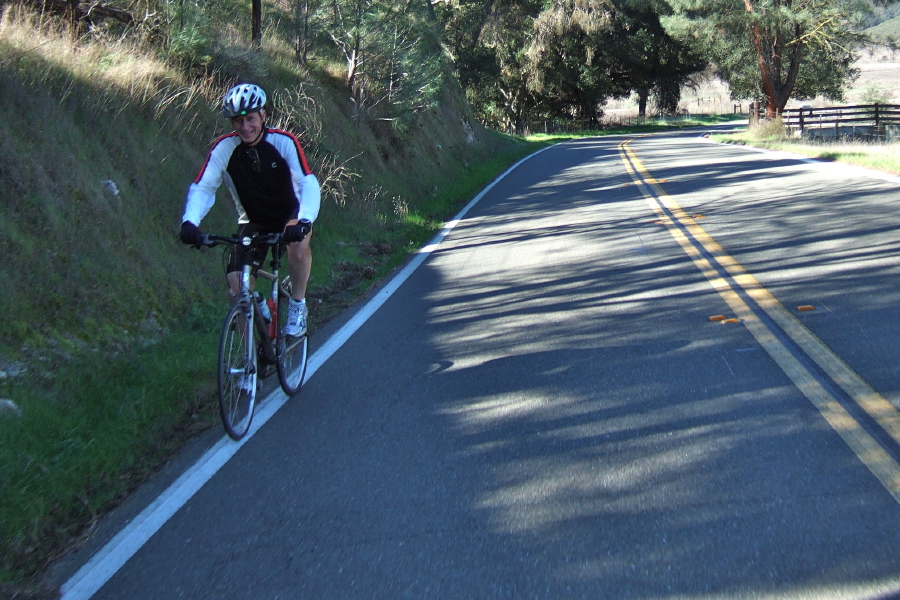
pixel 120 72
pixel 880 156
pixel 883 157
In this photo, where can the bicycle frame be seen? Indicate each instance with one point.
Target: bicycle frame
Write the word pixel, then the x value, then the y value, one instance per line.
pixel 269 347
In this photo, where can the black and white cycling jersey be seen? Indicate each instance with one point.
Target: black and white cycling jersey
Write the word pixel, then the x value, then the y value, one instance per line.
pixel 270 182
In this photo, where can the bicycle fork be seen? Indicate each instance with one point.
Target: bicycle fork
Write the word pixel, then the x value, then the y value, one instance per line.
pixel 246 325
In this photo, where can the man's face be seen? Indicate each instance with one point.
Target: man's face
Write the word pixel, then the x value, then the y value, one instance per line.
pixel 248 127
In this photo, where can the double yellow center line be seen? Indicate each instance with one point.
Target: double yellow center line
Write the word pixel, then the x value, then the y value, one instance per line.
pixel 712 260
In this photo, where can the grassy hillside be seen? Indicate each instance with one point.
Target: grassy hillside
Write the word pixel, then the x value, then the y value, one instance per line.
pixel 886 31
pixel 109 353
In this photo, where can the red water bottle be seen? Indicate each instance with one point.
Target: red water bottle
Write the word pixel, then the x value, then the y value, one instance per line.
pixel 273 324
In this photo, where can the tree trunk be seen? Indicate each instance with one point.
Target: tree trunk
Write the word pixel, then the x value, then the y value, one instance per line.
pixel 256 18
pixel 764 66
pixel 793 70
pixel 777 85
pixel 304 26
pixel 80 12
pixel 643 95
pixel 91 10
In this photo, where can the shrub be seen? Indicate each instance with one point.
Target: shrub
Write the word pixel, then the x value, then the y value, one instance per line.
pixel 770 130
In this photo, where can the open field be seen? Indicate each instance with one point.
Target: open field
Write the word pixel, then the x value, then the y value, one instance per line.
pixel 879 71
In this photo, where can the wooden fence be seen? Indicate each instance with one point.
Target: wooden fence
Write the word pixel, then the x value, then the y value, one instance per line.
pixel 876 122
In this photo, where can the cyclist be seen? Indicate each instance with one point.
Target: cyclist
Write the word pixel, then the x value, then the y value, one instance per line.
pixel 273 189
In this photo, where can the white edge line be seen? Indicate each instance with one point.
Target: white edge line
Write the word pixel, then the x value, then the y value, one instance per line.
pixel 108 560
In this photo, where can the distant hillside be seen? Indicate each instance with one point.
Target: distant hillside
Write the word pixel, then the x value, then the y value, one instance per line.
pixel 887 31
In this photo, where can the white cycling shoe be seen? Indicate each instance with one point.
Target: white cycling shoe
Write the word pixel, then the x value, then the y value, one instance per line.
pixel 296 318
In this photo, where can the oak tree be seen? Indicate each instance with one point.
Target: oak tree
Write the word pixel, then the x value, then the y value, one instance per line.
pixel 777 49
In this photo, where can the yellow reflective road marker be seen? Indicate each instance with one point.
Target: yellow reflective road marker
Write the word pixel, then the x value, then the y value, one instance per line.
pixel 866 447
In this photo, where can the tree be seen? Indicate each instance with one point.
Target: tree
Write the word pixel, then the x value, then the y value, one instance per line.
pixel 391 54
pixel 653 63
pixel 256 24
pixel 571 57
pixel 586 51
pixel 774 48
pixel 564 58
pixel 487 42
pixel 304 12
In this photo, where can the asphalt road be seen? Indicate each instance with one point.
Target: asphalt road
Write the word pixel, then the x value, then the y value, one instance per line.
pixel 544 409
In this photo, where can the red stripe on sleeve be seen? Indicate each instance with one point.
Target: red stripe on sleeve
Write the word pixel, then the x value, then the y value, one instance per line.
pixel 208 154
pixel 303 164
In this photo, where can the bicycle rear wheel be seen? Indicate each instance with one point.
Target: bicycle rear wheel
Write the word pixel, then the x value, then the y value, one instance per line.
pixel 292 352
pixel 237 371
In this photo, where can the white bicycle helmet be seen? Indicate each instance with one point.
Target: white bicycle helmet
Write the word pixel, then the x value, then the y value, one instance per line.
pixel 242 100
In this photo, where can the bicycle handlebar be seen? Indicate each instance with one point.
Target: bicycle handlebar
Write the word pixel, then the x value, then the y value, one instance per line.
pixel 301 229
pixel 257 239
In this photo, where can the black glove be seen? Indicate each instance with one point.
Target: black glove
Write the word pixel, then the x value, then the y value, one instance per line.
pixel 191 234
pixel 296 232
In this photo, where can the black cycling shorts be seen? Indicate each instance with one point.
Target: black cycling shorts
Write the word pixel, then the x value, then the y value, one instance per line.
pixel 239 255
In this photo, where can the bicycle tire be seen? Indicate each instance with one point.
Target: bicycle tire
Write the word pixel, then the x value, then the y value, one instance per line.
pixel 292 352
pixel 237 372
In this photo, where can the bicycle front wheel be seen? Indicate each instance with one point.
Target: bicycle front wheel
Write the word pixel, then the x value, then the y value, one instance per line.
pixel 292 352
pixel 237 371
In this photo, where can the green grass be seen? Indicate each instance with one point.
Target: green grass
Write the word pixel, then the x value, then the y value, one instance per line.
pixel 94 431
pixel 887 31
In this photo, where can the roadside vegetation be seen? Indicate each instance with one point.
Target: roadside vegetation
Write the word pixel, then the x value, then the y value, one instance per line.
pixel 882 156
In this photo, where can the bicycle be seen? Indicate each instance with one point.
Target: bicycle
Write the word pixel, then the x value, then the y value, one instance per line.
pixel 244 358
